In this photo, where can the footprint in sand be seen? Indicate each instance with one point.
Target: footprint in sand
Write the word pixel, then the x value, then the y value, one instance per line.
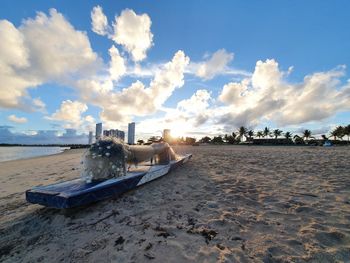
pixel 330 238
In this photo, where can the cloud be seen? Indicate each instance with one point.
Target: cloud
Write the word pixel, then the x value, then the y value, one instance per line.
pixel 197 103
pixel 43 49
pixel 99 21
pixel 137 99
pixel 117 67
pixel 41 137
pixel 232 92
pixel 14 57
pixel 268 95
pixel 133 32
pixel 188 115
pixel 57 49
pixel 16 119
pixel 39 104
pixel 70 113
pixel 215 65
pixel 13 51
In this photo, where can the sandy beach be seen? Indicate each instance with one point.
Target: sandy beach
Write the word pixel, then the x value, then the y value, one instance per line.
pixel 228 204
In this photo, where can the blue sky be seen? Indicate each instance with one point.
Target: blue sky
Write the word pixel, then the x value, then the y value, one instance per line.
pixel 214 66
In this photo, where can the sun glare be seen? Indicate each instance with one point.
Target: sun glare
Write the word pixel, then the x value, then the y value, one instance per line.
pixel 177 132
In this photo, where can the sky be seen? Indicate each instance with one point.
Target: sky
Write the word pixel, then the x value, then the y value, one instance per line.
pixel 197 68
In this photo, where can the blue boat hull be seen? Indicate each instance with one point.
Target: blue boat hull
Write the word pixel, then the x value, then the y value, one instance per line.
pixel 77 192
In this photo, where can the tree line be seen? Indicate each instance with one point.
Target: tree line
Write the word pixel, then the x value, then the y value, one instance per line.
pixel 248 135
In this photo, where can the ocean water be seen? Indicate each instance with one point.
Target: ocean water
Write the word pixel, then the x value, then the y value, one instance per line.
pixel 15 153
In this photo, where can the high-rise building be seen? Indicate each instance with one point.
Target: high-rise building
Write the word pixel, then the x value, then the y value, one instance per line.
pixel 131 133
pixel 90 137
pixel 114 133
pixel 98 131
pixel 106 133
pixel 121 135
pixel 166 135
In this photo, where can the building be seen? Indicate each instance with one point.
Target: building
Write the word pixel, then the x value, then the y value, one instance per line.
pixel 98 131
pixel 114 133
pixel 106 133
pixel 166 135
pixel 121 135
pixel 131 133
pixel 90 137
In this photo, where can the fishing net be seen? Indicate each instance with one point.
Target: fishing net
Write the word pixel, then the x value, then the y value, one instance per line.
pixel 104 160
pixel 108 158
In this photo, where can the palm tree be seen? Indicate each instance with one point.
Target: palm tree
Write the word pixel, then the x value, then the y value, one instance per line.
pixel 250 134
pixel 277 133
pixel 234 135
pixel 341 132
pixel 288 135
pixel 334 134
pixel 298 139
pixel 307 134
pixel 324 137
pixel 338 132
pixel 225 138
pixel 242 132
pixel 347 131
pixel 260 134
pixel 266 131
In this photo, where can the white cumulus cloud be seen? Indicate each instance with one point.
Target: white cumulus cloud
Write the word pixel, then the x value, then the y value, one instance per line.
pixel 117 67
pixel 268 95
pixel 43 49
pixel 215 65
pixel 197 103
pixel 137 99
pixel 16 119
pixel 70 113
pixel 133 32
pixel 99 21
pixel 14 58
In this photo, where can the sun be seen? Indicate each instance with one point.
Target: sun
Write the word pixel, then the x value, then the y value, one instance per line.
pixel 177 132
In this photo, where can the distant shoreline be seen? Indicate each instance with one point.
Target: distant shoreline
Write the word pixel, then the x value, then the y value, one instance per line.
pixel 16 155
pixel 72 146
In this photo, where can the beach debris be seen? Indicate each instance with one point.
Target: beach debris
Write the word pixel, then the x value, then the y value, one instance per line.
pixel 220 246
pixel 113 213
pixel 162 232
pixel 120 240
pixel 212 204
pixel 149 255
pixel 191 221
pixel 104 160
pixel 149 246
pixel 109 158
pixel 208 234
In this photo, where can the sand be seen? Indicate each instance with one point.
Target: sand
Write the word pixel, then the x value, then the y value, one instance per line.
pixel 228 204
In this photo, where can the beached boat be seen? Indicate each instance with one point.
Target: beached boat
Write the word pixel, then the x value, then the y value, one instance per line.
pixel 80 192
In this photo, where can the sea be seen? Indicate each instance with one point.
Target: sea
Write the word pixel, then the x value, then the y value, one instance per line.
pixel 20 152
